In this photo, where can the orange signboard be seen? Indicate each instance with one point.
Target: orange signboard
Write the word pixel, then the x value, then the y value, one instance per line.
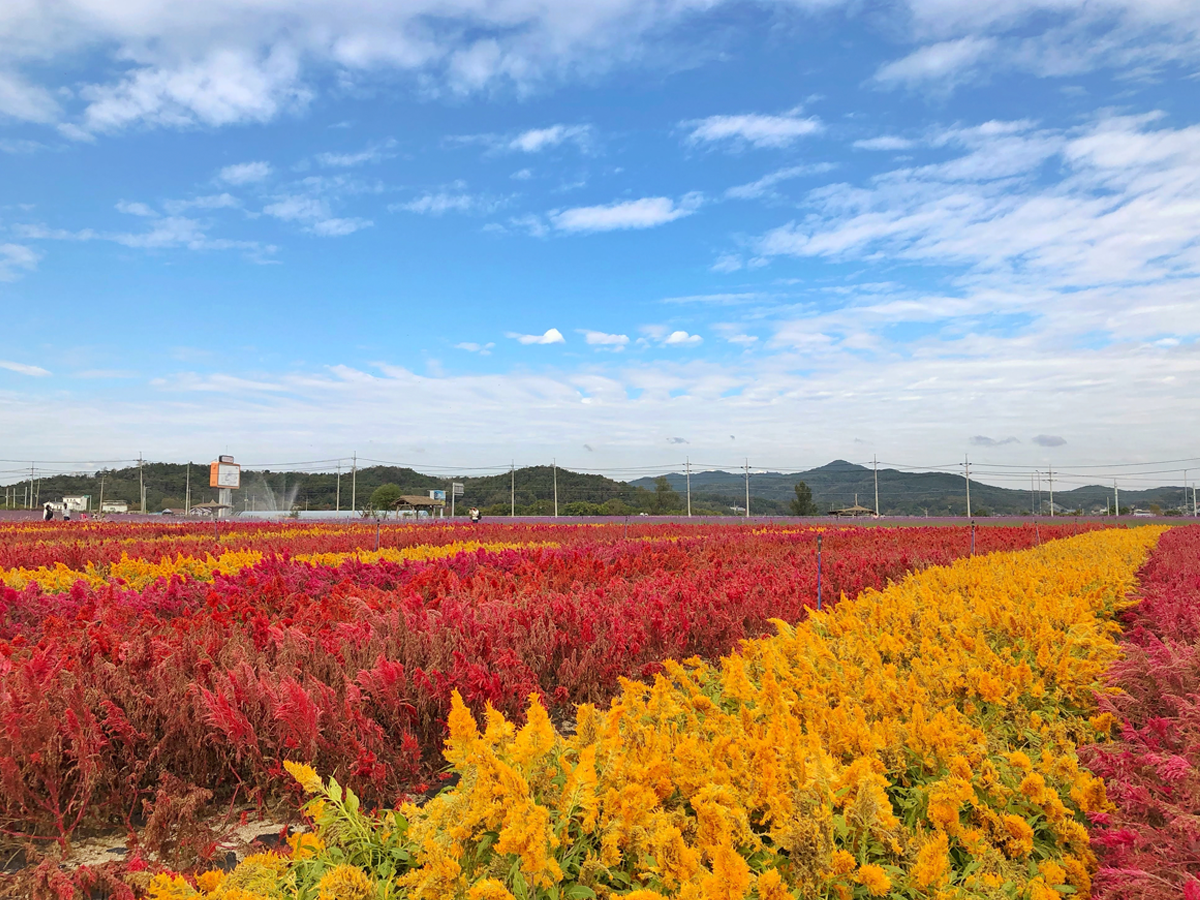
pixel 224 475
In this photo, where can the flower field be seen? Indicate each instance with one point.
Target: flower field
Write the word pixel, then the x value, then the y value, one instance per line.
pixel 142 664
pixel 914 742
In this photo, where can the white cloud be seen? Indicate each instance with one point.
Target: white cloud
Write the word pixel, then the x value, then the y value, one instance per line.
pixel 208 201
pixel 942 62
pixel 373 154
pixel 615 342
pixel 538 139
pixel 744 340
pixel 765 185
pixel 552 336
pixel 472 347
pixel 885 142
pixel 24 101
pixel 521 175
pixel 314 214
pixel 236 61
pixel 442 202
pixel 718 299
pixel 228 86
pixel 23 369
pixel 990 211
pixel 245 173
pixel 1104 400
pixel 753 129
pixel 298 208
pixel 20 145
pixel 645 213
pixel 682 339
pixel 339 227
pixel 135 209
pixel 16 259
pixel 726 263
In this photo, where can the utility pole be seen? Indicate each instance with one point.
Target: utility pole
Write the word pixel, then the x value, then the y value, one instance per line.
pixel 512 488
pixel 187 491
pixel 747 487
pixel 967 475
pixel 555 464
pixel 1032 509
pixel 688 468
pixel 1050 470
pixel 30 503
pixel 354 482
pixel 1116 499
pixel 875 465
pixel 100 508
pixel 337 497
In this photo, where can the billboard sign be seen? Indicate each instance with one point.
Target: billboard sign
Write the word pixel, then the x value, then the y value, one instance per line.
pixel 438 495
pixel 457 488
pixel 225 473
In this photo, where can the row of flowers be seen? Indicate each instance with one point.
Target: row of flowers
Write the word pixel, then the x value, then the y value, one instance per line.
pixel 1149 842
pixel 137 573
pixel 93 548
pixel 915 742
pixel 106 688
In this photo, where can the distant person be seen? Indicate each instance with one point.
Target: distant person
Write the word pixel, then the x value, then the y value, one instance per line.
pixel 47 513
pixel 476 515
pixel 66 514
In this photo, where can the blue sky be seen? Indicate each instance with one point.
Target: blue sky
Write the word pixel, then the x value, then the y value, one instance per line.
pixel 611 233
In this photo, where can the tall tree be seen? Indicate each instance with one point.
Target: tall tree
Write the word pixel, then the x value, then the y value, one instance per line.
pixel 803 504
pixel 666 498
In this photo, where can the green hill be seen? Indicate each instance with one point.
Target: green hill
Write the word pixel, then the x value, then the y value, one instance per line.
pixel 837 484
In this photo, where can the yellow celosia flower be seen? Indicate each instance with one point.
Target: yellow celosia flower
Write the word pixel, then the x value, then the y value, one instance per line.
pixel 170 887
pixel 344 882
pixel 770 886
pixel 489 889
pixel 1020 841
pixel 874 879
pixel 843 862
pixel 210 881
pixel 305 844
pixel 305 775
pixel 932 861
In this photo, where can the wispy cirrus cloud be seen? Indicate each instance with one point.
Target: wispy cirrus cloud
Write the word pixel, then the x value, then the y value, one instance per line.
pixel 437 203
pixel 766 185
pixel 314 214
pixel 536 140
pixel 473 347
pixel 373 154
pixel 945 62
pixel 753 129
pixel 15 260
pixel 647 212
pixel 24 368
pixel 245 173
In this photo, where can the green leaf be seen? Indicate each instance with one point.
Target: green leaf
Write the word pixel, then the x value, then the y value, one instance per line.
pixel 579 892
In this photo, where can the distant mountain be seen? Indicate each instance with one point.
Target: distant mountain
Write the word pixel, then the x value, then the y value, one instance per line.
pixel 835 485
